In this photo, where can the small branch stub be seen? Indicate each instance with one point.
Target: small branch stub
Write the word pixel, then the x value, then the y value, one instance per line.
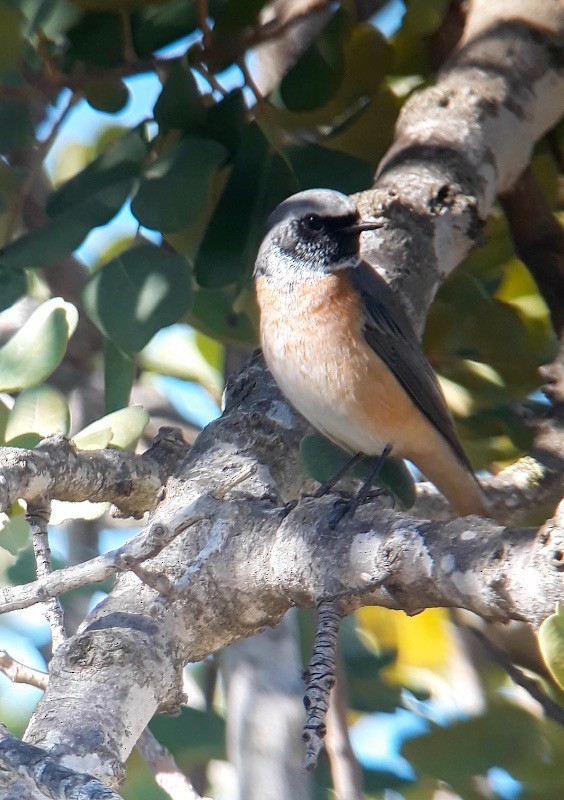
pixel 320 678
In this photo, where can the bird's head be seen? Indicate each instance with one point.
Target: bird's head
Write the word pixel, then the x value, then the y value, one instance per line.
pixel 312 233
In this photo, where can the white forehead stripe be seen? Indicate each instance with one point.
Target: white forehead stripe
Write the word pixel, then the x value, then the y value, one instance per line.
pixel 325 202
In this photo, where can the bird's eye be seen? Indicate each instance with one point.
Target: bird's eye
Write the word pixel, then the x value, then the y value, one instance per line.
pixel 313 222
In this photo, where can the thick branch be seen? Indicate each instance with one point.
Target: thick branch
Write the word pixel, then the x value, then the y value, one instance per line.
pixel 56 470
pixel 457 145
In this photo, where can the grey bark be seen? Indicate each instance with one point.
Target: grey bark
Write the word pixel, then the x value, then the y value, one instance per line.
pixel 247 562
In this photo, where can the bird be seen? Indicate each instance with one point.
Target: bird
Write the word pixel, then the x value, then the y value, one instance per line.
pixel 343 351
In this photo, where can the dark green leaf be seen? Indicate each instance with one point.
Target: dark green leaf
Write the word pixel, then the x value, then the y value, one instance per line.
pixel 323 459
pixel 109 96
pixel 236 15
pixel 226 120
pixel 135 295
pixel 179 105
pixel 193 736
pixel 119 374
pixel 11 39
pixel 314 79
pixel 121 162
pixel 213 314
pixel 13 285
pixel 155 26
pixel 16 128
pixel 61 235
pixel 97 38
pixel 318 166
pixel 259 180
pixel 455 754
pixel 173 190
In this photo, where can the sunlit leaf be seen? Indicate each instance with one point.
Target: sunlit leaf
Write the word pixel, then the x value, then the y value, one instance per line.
pixel 551 642
pixel 37 413
pixel 14 530
pixel 37 348
pixel 126 426
pixel 138 293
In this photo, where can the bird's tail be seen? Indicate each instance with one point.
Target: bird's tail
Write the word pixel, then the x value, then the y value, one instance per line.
pixel 455 481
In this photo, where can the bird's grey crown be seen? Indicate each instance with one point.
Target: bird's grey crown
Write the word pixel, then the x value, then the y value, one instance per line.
pixel 322 202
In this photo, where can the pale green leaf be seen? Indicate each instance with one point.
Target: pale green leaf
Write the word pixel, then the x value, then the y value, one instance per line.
pixel 35 351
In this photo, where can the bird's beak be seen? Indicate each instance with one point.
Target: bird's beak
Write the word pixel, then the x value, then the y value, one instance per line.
pixel 363 225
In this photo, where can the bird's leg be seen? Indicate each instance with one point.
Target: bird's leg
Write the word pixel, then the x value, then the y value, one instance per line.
pixel 327 485
pixel 350 508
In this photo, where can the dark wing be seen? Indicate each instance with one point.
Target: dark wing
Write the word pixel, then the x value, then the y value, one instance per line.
pixel 389 332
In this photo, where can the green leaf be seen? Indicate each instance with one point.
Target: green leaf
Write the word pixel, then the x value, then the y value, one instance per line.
pixel 11 39
pixel 65 233
pixel 97 38
pixel 38 347
pixel 179 356
pixel 119 375
pixel 97 439
pixel 259 180
pixel 173 190
pixel 316 76
pixel 14 530
pixel 126 426
pixel 37 413
pixel 135 295
pixel 13 285
pixel 214 314
pixel 456 753
pixel 318 166
pixel 155 26
pixel 86 201
pixel 226 120
pixel 237 14
pixel 194 736
pixel 119 164
pixel 551 643
pixel 4 414
pixel 323 459
pixel 16 128
pixel 110 96
pixel 179 105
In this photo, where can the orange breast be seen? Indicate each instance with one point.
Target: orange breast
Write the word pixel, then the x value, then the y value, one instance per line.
pixel 313 344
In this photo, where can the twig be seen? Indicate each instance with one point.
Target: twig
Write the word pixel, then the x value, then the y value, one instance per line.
pixel 320 678
pixel 167 773
pixel 41 151
pixel 37 516
pixel 250 81
pixel 552 710
pixel 346 772
pixel 138 549
pixel 202 8
pixel 21 673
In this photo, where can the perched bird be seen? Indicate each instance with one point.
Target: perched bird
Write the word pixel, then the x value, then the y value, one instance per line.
pixel 343 350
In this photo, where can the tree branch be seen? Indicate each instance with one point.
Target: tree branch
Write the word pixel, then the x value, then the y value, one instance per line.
pixel 457 145
pixel 55 469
